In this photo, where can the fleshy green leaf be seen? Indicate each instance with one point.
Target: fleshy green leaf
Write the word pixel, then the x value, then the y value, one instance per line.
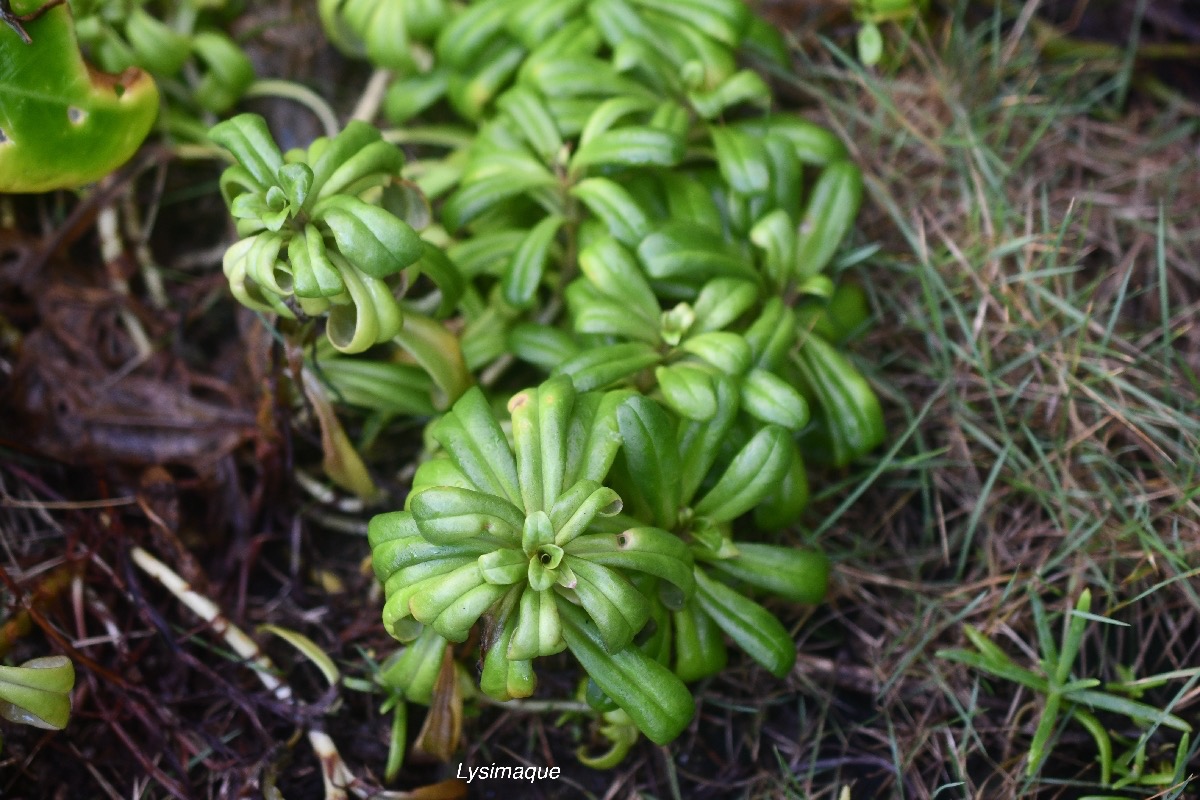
pixel 62 125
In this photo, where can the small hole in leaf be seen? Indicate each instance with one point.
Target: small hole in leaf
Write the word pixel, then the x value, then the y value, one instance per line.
pixel 4 137
pixel 119 88
pixel 623 540
pixel 545 558
pixel 76 115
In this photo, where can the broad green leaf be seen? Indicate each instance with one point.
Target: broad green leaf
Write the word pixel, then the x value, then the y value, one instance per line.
pixel 751 626
pixel 603 366
pixel 768 398
pixel 630 147
pixel 752 474
pixel 618 609
pixel 524 273
pixel 831 210
pixel 801 576
pixel 688 390
pixel 62 125
pixel 612 271
pixel 654 698
pixel 38 692
pixel 541 345
pixel 225 69
pixel 650 451
pixel 700 442
pixel 811 143
pixel 371 238
pixel 721 302
pixel 742 159
pixel 685 251
pixel 621 214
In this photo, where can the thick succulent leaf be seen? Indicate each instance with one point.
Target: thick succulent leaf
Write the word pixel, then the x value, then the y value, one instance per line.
pixel 158 48
pixel 618 609
pixel 632 146
pixel 528 264
pixel 749 625
pixel 556 399
pixel 700 650
pixel 691 199
pixel 604 366
pixel 453 602
pixel 612 270
pixel 446 514
pixel 652 456
pixel 772 335
pixel 313 273
pixel 612 111
pixel 470 93
pixel 657 701
pixel 752 474
pixel 616 208
pixel 650 550
pixel 37 693
pixel 414 672
pixel 831 210
pixel 354 160
pixel 462 41
pixel 62 125
pixel 539 629
pixel 501 678
pixel 700 442
pixel 721 302
pixel 685 251
pixel 534 120
pixel 370 317
pixel 371 238
pixel 811 143
pixel 846 410
pixel 742 159
pixel 775 235
pixel 594 437
pixel 438 352
pixel 741 87
pixel 527 444
pixel 478 446
pixel 688 390
pixel 769 398
pixel 542 345
pixel 728 352
pixel 252 146
pixel 801 576
pixel 477 196
pixel 787 501
pixel 226 71
pixel 575 509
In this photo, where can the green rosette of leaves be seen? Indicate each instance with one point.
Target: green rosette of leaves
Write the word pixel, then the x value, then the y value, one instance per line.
pixel 317 237
pixel 163 37
pixel 696 479
pixel 508 533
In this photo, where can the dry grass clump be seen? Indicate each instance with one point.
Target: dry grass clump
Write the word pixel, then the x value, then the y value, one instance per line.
pixel 1036 294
